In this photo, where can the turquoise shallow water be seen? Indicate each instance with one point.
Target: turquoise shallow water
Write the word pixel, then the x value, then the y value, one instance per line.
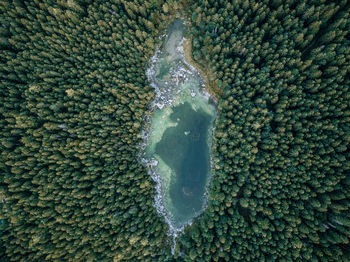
pixel 179 137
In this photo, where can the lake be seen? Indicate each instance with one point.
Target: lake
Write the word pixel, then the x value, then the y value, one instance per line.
pixel 178 145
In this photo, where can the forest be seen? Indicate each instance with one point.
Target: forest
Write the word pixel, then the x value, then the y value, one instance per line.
pixel 73 100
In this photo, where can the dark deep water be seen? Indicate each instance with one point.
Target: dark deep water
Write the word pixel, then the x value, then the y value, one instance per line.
pixel 184 148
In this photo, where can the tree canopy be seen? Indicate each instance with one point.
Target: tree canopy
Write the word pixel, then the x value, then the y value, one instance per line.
pixel 73 96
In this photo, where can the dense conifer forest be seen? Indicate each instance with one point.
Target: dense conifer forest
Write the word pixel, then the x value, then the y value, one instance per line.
pixel 73 96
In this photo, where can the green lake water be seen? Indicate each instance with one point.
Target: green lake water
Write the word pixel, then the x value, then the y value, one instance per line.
pixel 178 140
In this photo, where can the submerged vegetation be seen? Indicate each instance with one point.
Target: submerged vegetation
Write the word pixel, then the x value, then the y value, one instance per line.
pixel 73 96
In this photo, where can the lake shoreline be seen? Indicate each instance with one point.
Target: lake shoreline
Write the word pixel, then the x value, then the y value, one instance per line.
pixel 176 79
pixel 204 73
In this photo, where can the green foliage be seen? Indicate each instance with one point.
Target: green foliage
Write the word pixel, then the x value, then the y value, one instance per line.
pixel 73 94
pixel 281 187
